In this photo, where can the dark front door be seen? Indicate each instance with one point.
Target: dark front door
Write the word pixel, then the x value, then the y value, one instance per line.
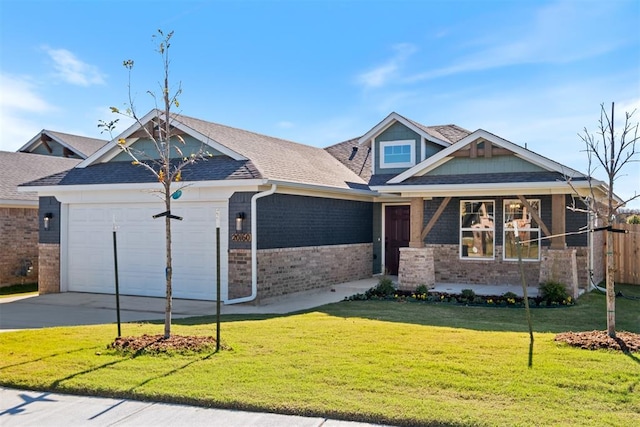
pixel 396 229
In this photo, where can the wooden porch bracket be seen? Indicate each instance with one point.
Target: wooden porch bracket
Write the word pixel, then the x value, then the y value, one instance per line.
pixel 434 218
pixel 535 216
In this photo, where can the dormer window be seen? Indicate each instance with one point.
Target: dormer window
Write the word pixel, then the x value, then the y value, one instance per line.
pixel 397 154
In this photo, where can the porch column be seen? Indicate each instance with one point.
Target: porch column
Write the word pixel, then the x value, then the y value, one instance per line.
pixel 417 220
pixel 558 221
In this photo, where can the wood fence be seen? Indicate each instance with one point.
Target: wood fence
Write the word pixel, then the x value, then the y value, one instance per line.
pixel 626 249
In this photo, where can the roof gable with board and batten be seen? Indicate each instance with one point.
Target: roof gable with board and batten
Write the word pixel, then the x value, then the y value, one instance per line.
pixel 483 162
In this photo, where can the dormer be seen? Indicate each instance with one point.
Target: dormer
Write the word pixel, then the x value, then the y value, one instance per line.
pixel 398 144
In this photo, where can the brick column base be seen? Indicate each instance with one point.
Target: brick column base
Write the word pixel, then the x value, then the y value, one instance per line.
pixel 49 268
pixel 416 268
pixel 561 266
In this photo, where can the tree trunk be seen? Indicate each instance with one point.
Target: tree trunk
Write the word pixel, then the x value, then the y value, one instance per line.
pixel 611 293
pixel 168 271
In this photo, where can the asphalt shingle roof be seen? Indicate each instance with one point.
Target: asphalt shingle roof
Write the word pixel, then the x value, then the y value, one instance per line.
pixel 215 168
pixel 477 178
pixel 279 159
pixel 361 162
pixel 18 168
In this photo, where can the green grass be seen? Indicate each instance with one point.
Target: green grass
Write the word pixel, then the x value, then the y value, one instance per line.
pixel 387 362
pixel 15 290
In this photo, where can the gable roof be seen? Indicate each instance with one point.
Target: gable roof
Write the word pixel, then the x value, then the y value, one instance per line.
pixel 445 155
pixel 443 135
pixel 82 146
pixel 272 158
pixel 18 168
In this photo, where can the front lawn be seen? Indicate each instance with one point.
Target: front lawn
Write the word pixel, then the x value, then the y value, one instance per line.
pixel 387 362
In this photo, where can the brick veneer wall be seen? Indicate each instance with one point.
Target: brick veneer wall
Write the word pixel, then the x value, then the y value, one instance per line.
pixel 49 268
pixel 449 268
pixel 285 270
pixel 561 266
pixel 19 241
pixel 416 268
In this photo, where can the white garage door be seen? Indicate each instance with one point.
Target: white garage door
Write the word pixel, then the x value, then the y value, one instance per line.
pixel 141 249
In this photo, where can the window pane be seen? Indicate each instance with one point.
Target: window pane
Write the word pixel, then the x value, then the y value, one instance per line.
pixel 477 214
pixel 477 244
pixel 529 247
pixel 397 154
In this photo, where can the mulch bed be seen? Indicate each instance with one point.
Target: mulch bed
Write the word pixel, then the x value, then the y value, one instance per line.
pixel 159 344
pixel 627 342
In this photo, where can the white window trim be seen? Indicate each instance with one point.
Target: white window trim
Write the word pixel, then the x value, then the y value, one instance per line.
pixel 410 142
pixel 461 230
pixel 523 229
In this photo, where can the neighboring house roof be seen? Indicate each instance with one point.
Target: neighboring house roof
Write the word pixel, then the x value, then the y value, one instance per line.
pixel 18 168
pixel 246 155
pixel 81 146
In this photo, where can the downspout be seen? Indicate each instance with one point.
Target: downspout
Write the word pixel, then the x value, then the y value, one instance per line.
pixel 254 247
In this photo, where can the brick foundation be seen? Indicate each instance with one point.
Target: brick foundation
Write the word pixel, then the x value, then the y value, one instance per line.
pixel 287 270
pixel 416 268
pixel 19 242
pixel 49 268
pixel 560 265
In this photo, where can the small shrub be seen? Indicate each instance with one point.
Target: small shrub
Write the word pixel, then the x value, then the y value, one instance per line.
pixel 384 288
pixel 467 294
pixel 422 289
pixel 510 295
pixel 633 219
pixel 553 292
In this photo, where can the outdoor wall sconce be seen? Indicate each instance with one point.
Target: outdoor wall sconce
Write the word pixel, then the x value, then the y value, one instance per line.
pixel 239 220
pixel 47 220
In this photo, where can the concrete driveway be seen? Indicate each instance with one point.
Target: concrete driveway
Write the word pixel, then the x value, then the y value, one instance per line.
pixel 74 308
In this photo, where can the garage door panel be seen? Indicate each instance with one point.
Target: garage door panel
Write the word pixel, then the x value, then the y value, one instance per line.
pixel 141 249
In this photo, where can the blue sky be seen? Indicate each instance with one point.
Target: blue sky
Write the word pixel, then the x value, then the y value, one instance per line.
pixel 321 72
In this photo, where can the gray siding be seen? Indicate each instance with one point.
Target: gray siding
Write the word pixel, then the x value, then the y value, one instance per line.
pixel 287 221
pixel 377 238
pixel 395 132
pixel 240 202
pixel 49 205
pixel 147 147
pixel 498 164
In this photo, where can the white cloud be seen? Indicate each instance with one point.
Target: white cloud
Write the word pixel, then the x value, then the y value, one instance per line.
pixel 284 124
pixel 20 101
pixel 20 94
pixel 561 32
pixel 72 70
pixel 380 75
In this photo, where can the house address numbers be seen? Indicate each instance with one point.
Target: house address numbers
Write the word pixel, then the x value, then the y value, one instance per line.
pixel 241 237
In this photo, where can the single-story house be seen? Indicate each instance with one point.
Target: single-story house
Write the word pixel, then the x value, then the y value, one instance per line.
pixel 428 203
pixel 47 153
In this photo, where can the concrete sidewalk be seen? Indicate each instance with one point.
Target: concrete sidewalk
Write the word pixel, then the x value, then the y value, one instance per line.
pixel 35 408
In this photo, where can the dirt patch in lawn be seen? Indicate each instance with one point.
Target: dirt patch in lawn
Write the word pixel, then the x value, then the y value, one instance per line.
pixel 627 342
pixel 159 344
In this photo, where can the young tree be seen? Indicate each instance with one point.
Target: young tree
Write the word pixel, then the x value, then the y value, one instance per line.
pixel 613 152
pixel 167 144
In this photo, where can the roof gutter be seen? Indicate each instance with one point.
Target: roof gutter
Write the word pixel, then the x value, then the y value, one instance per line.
pixel 254 246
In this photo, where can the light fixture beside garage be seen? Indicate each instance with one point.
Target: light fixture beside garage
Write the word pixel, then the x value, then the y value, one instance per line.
pixel 239 221
pixel 47 220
